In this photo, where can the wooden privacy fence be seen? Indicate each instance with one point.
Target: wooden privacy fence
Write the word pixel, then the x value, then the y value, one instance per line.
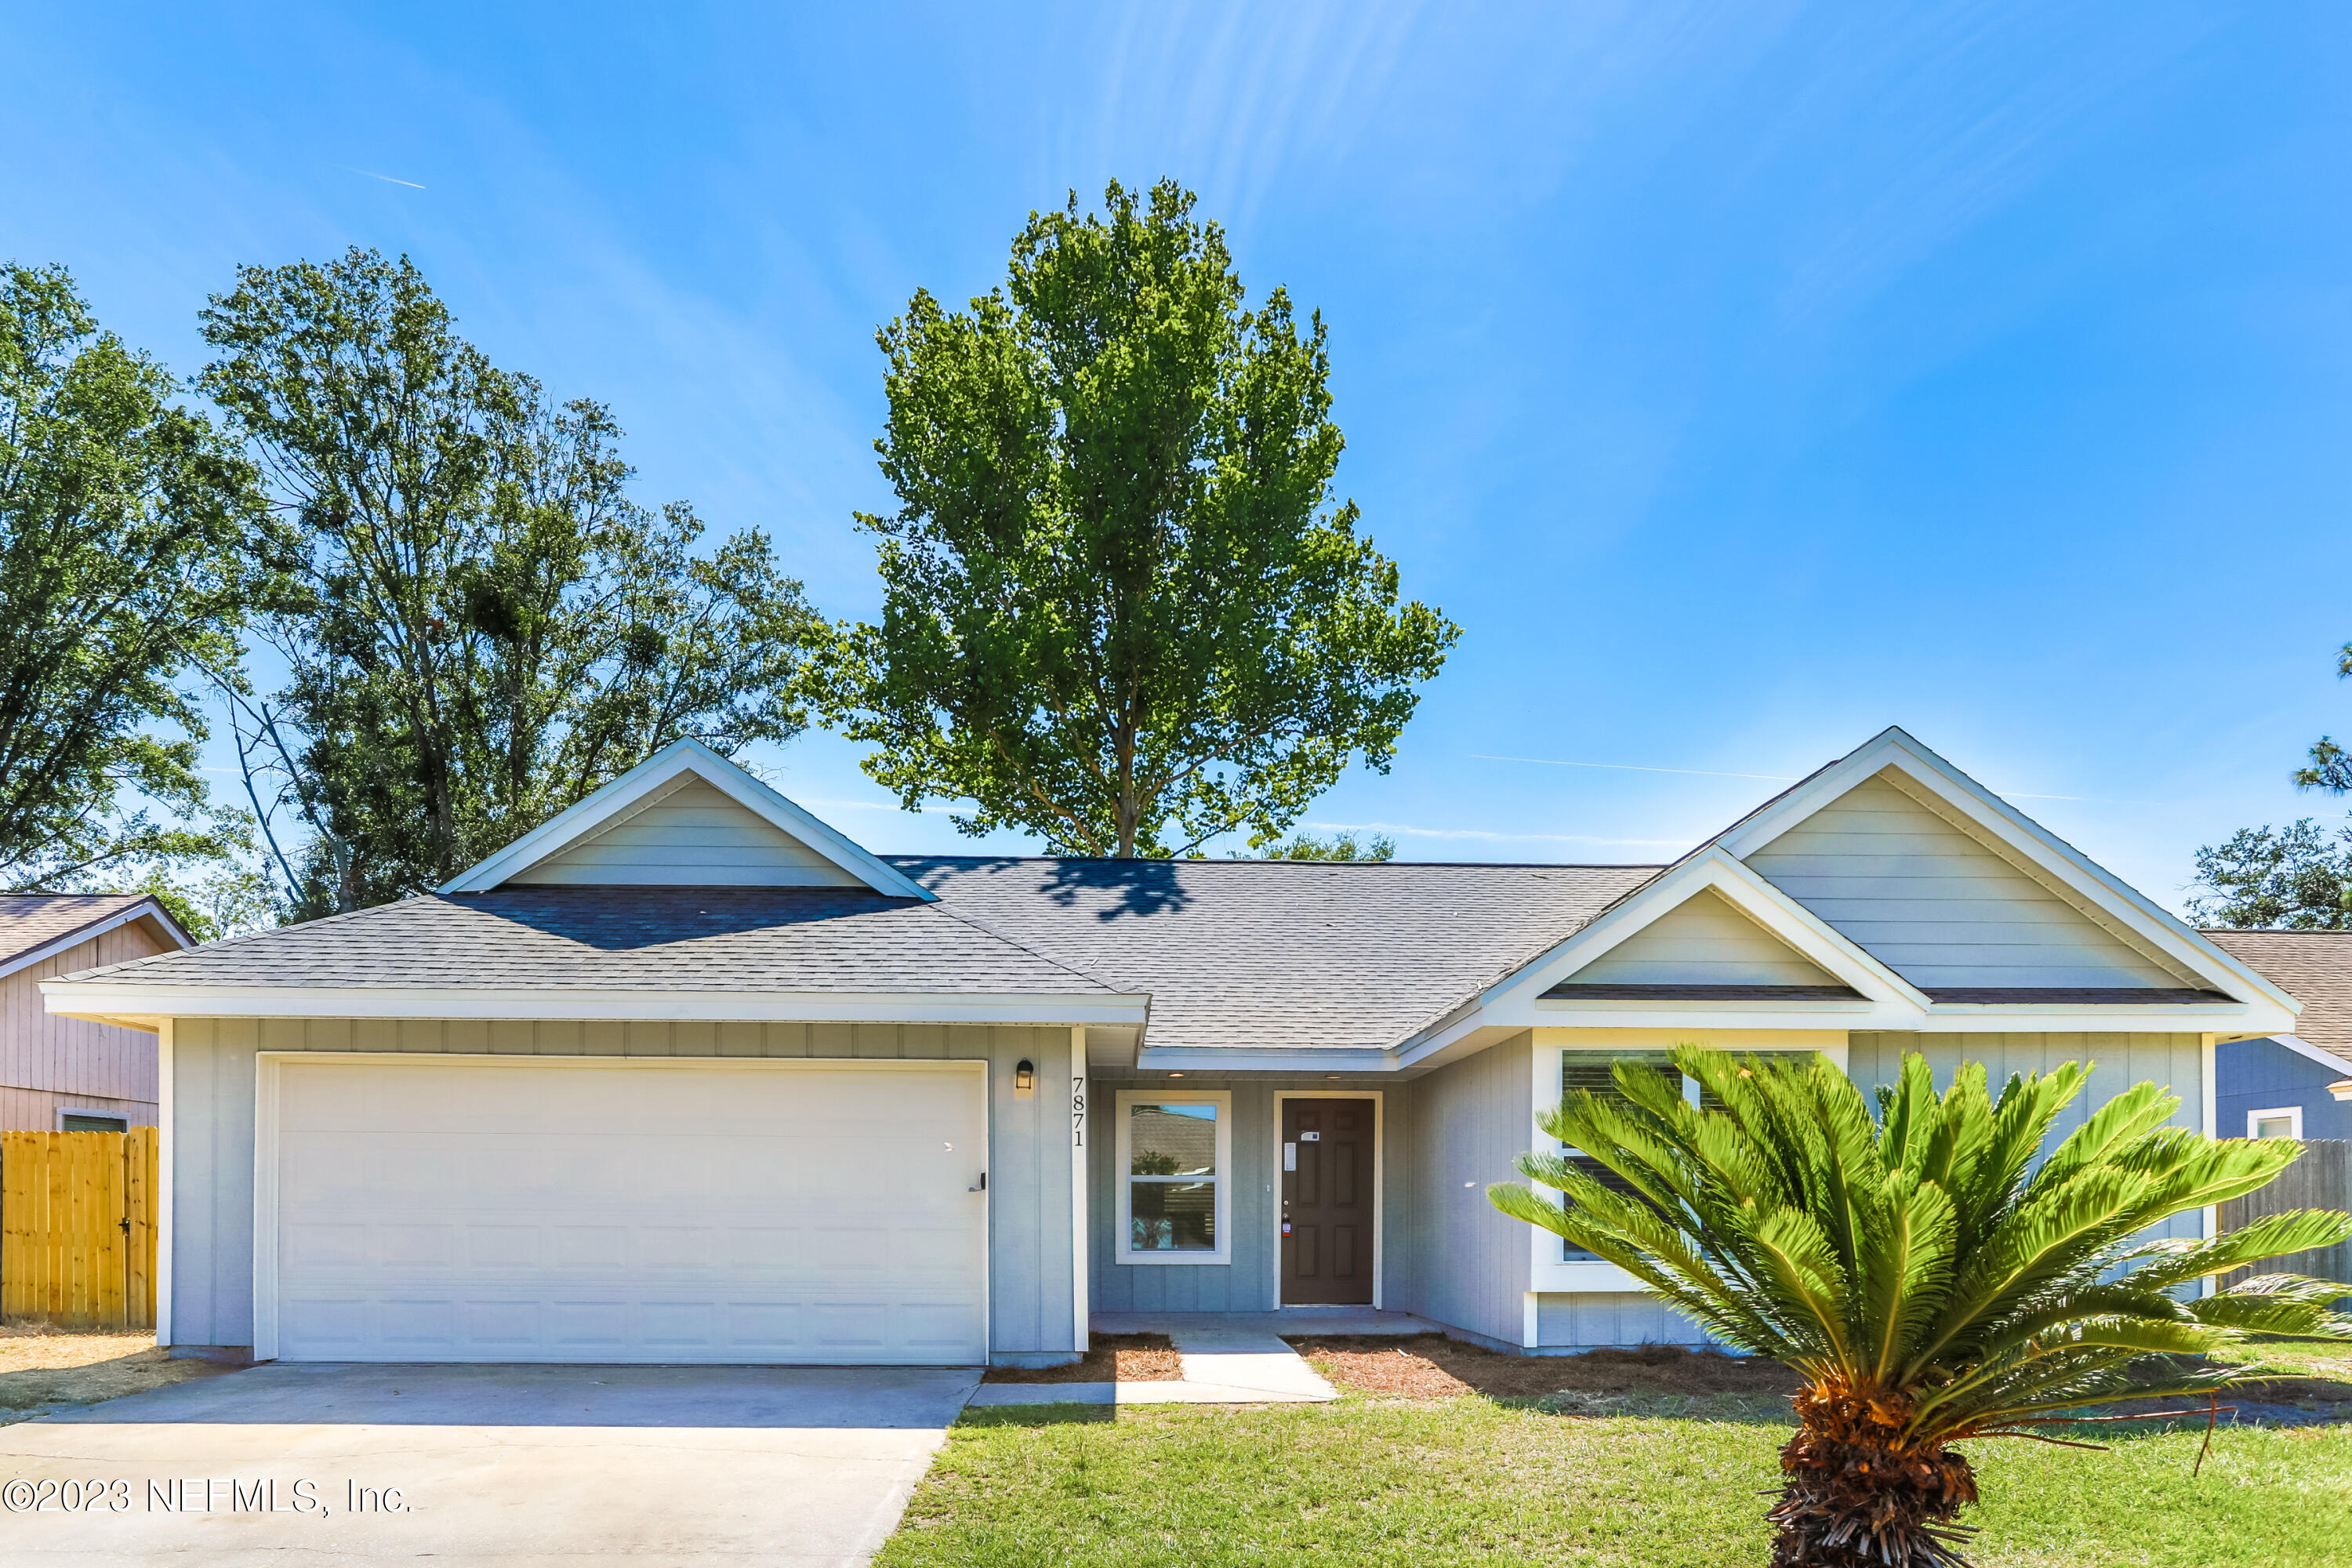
pixel 77 1228
pixel 2322 1179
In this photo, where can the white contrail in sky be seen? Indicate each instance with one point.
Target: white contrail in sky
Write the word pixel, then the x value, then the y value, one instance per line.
pixel 388 179
pixel 1634 768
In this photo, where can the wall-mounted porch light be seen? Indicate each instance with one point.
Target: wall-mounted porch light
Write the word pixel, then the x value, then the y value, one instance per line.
pixel 1024 1077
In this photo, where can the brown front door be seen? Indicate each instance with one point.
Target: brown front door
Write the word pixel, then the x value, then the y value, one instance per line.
pixel 1326 1202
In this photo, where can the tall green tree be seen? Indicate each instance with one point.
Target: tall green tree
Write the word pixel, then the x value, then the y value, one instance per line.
pixel 1121 610
pixel 122 518
pixel 1930 1279
pixel 2298 877
pixel 481 625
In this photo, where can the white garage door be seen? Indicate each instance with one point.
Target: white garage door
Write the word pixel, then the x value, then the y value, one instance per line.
pixel 439 1211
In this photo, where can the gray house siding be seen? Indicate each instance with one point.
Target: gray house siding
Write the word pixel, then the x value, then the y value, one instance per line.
pixel 1248 1282
pixel 1595 1319
pixel 1468 1122
pixel 2262 1075
pixel 211 1148
pixel 2119 1061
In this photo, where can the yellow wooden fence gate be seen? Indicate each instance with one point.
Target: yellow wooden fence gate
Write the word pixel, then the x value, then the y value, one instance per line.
pixel 77 1228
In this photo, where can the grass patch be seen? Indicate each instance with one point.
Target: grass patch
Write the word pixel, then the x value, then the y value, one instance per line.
pixel 1472 1479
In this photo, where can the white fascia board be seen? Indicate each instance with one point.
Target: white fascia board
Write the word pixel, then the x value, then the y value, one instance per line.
pixel 2095 1018
pixel 2061 861
pixel 1887 1000
pixel 619 798
pixel 147 910
pixel 1245 1059
pixel 108 1003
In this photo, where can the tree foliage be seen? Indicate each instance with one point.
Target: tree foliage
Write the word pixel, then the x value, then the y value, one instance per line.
pixel 2298 878
pixel 1930 1279
pixel 1120 611
pixel 481 626
pixel 122 518
pixel 1340 845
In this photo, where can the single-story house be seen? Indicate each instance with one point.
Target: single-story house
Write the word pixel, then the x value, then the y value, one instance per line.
pixel 2295 1085
pixel 60 1074
pixel 687 1076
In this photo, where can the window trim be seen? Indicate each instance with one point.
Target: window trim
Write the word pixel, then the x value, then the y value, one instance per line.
pixel 1221 1209
pixel 2294 1114
pixel 121 1116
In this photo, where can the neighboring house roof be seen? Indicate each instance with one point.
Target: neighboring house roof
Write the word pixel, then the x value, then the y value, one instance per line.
pixel 2315 967
pixel 619 939
pixel 1312 954
pixel 35 925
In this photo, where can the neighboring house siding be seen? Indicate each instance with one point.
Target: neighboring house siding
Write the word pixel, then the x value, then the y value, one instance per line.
pixel 1704 941
pixel 2262 1075
pixel 2119 1061
pixel 1468 1122
pixel 1937 907
pixel 1030 1243
pixel 693 835
pixel 48 1063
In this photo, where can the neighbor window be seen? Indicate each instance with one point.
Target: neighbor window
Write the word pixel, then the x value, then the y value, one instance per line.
pixel 2286 1122
pixel 91 1122
pixel 1172 1153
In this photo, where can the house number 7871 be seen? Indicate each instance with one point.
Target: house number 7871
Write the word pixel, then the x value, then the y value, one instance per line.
pixel 1077 1112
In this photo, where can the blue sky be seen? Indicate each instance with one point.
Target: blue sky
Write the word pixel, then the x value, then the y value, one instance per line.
pixel 1743 377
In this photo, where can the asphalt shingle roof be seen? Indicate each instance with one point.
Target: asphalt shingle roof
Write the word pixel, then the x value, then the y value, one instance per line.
pixel 1292 954
pixel 29 920
pixel 1281 953
pixel 2315 967
pixel 665 938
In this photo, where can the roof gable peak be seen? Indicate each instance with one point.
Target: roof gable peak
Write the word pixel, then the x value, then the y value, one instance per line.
pixel 793 848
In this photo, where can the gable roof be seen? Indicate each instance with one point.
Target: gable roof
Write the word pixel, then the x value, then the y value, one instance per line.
pixel 2315 967
pixel 1306 956
pixel 34 926
pixel 564 951
pixel 681 762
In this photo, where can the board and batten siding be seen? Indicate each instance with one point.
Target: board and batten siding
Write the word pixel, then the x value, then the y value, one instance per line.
pixel 50 1063
pixel 2262 1075
pixel 1592 1319
pixel 211 1144
pixel 1464 1126
pixel 1937 907
pixel 2118 1060
pixel 1704 941
pixel 694 835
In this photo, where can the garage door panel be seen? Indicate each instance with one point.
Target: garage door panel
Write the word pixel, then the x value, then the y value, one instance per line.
pixel 483 1233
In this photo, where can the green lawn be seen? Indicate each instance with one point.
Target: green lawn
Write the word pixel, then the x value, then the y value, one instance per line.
pixel 1468 1479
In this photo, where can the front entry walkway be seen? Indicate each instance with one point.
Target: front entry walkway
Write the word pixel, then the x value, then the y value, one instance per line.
pixel 1230 1358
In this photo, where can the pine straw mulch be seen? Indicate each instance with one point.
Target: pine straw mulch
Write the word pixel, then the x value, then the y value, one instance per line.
pixel 1115 1358
pixel 43 1367
pixel 1430 1366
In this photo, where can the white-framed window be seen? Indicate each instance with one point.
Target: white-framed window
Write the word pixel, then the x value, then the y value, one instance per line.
pixel 81 1118
pixel 2286 1122
pixel 1175 1154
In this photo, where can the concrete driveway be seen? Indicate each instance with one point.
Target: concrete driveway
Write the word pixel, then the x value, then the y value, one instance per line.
pixel 523 1465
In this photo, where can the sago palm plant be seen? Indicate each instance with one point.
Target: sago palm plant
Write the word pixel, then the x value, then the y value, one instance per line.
pixel 1930 1281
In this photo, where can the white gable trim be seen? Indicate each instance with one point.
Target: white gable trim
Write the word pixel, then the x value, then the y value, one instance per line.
pixel 2118 905
pixel 657 775
pixel 147 910
pixel 1712 870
